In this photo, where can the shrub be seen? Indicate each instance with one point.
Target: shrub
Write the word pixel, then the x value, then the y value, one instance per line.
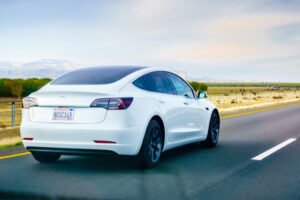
pixel 233 101
pixel 2 125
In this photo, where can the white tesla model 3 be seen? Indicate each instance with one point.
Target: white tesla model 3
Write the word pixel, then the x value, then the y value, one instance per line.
pixel 125 110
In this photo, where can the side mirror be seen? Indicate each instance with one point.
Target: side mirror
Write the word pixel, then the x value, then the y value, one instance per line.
pixel 202 95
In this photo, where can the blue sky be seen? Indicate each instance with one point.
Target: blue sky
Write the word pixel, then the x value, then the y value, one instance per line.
pixel 230 40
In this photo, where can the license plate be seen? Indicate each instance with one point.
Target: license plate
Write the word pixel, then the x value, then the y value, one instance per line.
pixel 66 114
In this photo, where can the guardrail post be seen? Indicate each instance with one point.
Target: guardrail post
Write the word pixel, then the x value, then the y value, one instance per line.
pixel 220 98
pixel 250 96
pixel 244 97
pixel 236 97
pixel 229 98
pixel 12 113
pixel 256 96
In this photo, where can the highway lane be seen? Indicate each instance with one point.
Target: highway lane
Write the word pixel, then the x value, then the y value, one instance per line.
pixel 190 172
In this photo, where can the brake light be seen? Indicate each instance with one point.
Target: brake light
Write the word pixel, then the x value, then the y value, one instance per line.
pixel 113 103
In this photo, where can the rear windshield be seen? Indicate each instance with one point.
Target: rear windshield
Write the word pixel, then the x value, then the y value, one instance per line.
pixel 95 75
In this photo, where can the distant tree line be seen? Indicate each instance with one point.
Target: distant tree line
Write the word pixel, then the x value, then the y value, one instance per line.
pixel 198 86
pixel 20 87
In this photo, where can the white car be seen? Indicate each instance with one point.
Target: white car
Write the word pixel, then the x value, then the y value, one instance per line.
pixel 124 110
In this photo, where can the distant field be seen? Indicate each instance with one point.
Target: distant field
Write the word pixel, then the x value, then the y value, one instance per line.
pixel 229 89
pixel 285 85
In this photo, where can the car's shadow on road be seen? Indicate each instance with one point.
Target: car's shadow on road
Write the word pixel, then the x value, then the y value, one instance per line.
pixel 192 154
pixel 115 163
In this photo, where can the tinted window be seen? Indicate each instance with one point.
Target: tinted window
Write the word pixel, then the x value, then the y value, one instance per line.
pixel 157 82
pixel 140 83
pixel 181 87
pixel 95 75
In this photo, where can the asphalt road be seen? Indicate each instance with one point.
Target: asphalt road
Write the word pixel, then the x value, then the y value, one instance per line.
pixel 190 172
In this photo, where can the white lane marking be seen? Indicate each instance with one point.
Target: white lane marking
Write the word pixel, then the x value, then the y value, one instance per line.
pixel 274 149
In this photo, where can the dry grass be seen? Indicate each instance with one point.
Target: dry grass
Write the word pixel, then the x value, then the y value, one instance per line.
pixel 238 99
pixel 10 141
pixel 10 137
pixel 246 89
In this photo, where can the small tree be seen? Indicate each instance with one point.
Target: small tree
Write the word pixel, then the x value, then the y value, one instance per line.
pixel 14 87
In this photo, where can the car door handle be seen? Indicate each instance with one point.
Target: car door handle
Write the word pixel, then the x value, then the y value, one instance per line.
pixel 185 103
pixel 160 101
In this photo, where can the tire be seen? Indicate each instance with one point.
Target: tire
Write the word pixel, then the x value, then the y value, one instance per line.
pixel 45 157
pixel 151 149
pixel 213 131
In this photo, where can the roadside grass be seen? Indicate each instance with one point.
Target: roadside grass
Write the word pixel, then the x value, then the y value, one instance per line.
pixel 11 145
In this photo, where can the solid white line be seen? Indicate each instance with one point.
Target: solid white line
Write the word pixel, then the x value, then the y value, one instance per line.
pixel 274 149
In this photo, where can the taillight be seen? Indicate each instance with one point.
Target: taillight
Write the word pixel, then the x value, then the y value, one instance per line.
pixel 113 103
pixel 28 102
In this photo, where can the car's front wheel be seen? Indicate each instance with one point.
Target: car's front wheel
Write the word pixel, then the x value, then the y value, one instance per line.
pixel 151 149
pixel 213 131
pixel 45 157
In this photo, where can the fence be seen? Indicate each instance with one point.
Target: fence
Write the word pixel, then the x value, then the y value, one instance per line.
pixel 10 112
pixel 10 109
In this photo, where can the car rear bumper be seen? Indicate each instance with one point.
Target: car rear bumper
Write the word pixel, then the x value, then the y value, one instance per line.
pixel 80 138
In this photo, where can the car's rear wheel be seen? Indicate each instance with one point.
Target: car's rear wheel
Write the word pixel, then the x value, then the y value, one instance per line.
pixel 213 131
pixel 151 149
pixel 45 157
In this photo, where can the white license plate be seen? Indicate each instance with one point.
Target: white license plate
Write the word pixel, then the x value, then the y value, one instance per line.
pixel 66 114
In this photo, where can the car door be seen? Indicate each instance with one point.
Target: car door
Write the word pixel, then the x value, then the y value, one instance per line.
pixel 171 106
pixel 194 111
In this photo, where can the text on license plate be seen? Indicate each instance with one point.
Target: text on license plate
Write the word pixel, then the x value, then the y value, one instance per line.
pixel 63 114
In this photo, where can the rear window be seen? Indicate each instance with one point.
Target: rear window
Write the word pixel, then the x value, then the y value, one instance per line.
pixel 155 82
pixel 95 75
